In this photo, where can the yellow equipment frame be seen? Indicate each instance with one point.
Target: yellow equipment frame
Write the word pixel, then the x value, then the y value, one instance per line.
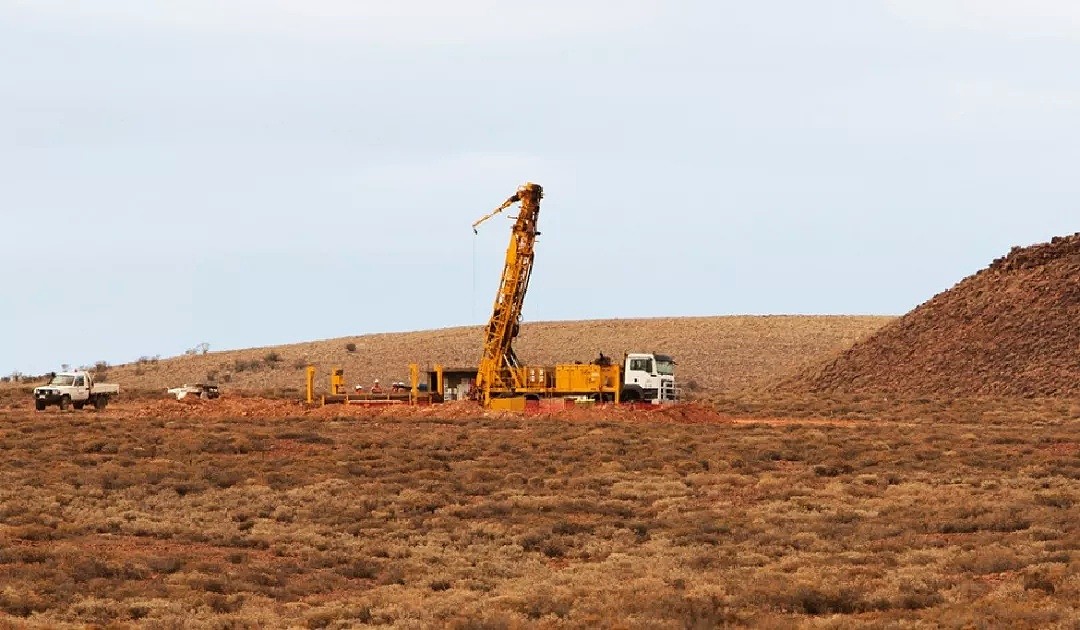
pixel 498 369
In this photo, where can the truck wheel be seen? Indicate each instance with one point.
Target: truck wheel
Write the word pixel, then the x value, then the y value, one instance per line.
pixel 100 402
pixel 78 405
pixel 39 405
pixel 65 402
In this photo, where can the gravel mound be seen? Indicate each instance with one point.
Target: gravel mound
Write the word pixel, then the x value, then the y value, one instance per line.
pixel 1012 329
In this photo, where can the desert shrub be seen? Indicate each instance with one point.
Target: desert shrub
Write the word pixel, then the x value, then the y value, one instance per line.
pixel 986 560
pixel 325 617
pixel 553 548
pixel 165 564
pixel 1054 499
pixel 21 604
pixel 811 600
pixel 351 347
pixel 138 612
pixel 359 570
pixel 222 604
pixel 91 568
pixel 918 598
pixel 570 528
pixel 185 488
pixel 1039 580
pixel 223 477
pixel 272 357
pixel 306 437
pixel 391 575
pixel 24 555
pixel 35 533
pixel 832 470
pixel 543 603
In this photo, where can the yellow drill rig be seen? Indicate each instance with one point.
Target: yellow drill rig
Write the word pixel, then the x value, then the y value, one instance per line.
pixel 502 382
pixel 499 371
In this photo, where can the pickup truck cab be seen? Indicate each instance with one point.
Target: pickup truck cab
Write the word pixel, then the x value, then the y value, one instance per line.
pixel 74 389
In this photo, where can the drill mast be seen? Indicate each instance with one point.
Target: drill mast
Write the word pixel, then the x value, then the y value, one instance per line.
pixel 498 365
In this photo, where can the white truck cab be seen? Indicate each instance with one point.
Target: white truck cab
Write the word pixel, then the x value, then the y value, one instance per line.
pixel 74 389
pixel 649 378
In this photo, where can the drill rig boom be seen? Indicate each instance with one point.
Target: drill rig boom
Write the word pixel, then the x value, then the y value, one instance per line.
pixel 503 383
pixel 498 366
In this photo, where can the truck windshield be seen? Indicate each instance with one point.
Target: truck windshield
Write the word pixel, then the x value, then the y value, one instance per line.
pixel 63 380
pixel 665 367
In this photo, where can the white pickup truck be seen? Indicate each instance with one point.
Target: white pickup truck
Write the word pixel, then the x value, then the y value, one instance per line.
pixel 74 389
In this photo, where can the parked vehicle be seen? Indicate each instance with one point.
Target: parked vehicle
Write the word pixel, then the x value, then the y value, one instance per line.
pixel 201 390
pixel 74 389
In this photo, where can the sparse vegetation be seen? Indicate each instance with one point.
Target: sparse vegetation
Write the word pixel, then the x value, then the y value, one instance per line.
pixel 241 365
pixel 939 515
pixel 101 370
pixel 350 347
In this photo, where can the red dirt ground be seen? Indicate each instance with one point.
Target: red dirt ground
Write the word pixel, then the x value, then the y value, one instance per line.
pixel 252 407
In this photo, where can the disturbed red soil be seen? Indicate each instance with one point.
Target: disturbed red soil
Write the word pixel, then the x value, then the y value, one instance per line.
pixel 262 408
pixel 1012 329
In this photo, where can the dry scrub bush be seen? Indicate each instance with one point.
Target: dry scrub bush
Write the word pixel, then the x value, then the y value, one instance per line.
pixel 493 522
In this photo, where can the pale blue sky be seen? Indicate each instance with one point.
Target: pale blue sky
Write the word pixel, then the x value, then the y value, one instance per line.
pixel 258 172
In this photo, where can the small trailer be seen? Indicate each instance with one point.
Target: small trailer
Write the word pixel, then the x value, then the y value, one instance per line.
pixel 198 390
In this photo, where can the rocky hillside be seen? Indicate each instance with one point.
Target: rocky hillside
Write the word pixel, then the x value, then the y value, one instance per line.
pixel 1012 329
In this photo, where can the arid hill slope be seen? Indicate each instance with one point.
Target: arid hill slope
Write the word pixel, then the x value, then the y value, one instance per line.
pixel 1012 329
pixel 714 353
